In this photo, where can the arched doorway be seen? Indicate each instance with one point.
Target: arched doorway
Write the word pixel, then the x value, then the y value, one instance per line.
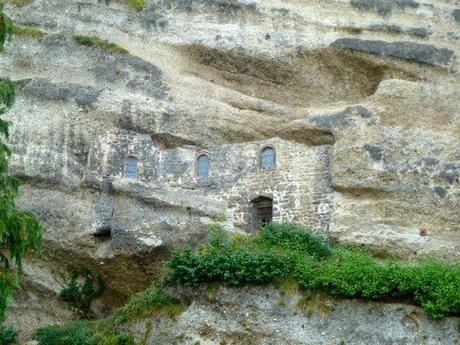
pixel 261 212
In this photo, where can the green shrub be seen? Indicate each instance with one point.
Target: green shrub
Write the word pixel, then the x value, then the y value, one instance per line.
pixel 75 333
pixel 145 304
pixel 96 42
pixel 81 289
pixel 114 339
pixel 234 266
pixel 295 237
pixel 436 286
pixel 223 261
pixel 8 335
pixel 354 273
pixel 289 251
pixel 307 272
pixel 81 333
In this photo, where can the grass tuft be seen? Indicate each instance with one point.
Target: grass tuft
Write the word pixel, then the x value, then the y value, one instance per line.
pixel 28 31
pixel 18 3
pixel 96 42
pixel 137 5
pixel 144 304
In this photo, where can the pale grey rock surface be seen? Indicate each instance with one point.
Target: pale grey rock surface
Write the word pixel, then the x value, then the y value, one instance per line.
pixel 267 316
pixel 205 74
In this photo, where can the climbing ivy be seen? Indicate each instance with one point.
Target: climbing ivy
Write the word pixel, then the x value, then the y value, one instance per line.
pixel 20 231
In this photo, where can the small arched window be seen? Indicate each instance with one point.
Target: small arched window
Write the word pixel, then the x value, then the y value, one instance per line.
pixel 268 159
pixel 130 169
pixel 202 166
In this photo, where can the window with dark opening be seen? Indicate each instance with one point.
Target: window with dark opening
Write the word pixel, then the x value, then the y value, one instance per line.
pixel 262 212
pixel 202 166
pixel 268 159
pixel 130 170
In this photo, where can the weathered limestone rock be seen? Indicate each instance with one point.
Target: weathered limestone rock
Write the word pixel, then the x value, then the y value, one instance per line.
pixel 422 53
pixel 358 98
pixel 268 316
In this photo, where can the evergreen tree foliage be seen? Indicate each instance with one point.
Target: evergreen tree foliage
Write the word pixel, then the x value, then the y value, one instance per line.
pixel 20 231
pixel 6 28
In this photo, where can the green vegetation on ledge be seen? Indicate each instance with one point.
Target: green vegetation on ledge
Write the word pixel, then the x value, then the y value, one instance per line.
pixel 111 331
pixel 18 3
pixel 137 5
pixel 96 42
pixel 27 31
pixel 285 254
pixel 74 333
pixel 289 251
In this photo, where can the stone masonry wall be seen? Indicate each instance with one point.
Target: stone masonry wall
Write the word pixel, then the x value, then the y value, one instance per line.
pixel 300 185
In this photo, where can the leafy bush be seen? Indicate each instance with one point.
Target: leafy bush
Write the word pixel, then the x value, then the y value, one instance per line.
pixel 288 251
pixel 115 339
pixel 223 261
pixel 145 304
pixel 8 335
pixel 96 42
pixel 295 237
pixel 82 289
pixel 109 331
pixel 80 333
pixel 75 333
pixel 436 286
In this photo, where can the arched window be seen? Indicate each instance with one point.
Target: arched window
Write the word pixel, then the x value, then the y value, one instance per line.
pixel 130 170
pixel 202 166
pixel 268 159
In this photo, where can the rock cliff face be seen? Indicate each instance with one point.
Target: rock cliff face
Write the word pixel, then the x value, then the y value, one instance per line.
pixel 267 316
pixel 358 98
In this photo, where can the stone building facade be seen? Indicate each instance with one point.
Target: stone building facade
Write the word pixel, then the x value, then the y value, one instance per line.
pixel 298 188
